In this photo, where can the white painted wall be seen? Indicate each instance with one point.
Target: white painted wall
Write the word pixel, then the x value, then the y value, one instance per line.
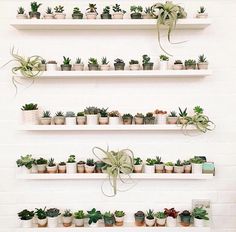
pixel 215 94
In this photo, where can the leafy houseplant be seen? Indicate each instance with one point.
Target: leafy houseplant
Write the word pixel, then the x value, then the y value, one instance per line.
pixel 78 66
pixel 136 12
pixel 103 119
pixel 46 118
pixel 27 162
pixel 196 163
pixel 202 62
pixel 94 216
pixel 79 218
pixel 150 218
pixel 190 64
pixel 62 167
pixel 67 218
pixel 89 166
pixel 139 217
pixel 138 165
pixel 105 64
pixel 179 167
pixel 59 12
pixel 93 64
pixel 77 14
pixel 169 167
pixel 51 167
pixel 118 13
pixel 41 215
pixel 172 118
pixel 119 64
pixel 21 13
pixel 185 217
pixel 149 118
pixel 106 13
pixel 147 65
pixel 34 10
pixel 150 165
pixel 51 65
pixel 160 218
pixel 200 215
pixel 49 13
pixel 114 117
pixel 59 118
pixel 159 166
pixel 109 219
pixel 171 217
pixel 70 118
pixel 127 119
pixel 66 66
pixel 178 65
pixel 202 13
pixel 164 62
pixel 119 217
pixel 92 113
pixel 52 215
pixel 41 165
pixel 26 217
pixel 91 11
pixel 71 165
pixel 139 119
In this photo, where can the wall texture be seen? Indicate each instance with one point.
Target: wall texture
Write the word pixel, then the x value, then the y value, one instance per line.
pixel 128 95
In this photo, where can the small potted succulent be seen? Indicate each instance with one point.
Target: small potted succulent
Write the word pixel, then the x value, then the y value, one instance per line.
pixel 159 166
pixel 164 61
pixel 136 12
pixel 149 118
pixel 21 13
pixel 46 119
pixel 150 218
pixel 178 65
pixel 202 62
pixel 127 119
pixel 160 218
pixel 92 114
pixel 119 64
pixel 182 116
pixel 70 118
pixel 179 167
pixel 147 65
pixel 62 167
pixel 99 166
pixel 161 116
pixel 118 13
pixel 52 215
pixel 93 217
pixel 78 66
pixel 114 117
pixel 171 217
pixel 51 166
pixel 106 13
pixel 200 216
pixel 109 219
pixel 26 163
pixel 42 66
pixel 196 163
pixel 150 166
pixel 59 12
pixel 71 165
pixel 185 218
pixel 134 65
pixel 201 14
pixel 93 64
pixel 26 217
pixel 89 166
pixel 190 64
pixel 169 167
pixel 139 119
pixel 66 66
pixel 59 118
pixel 30 114
pixel 138 165
pixel 67 218
pixel 187 166
pixel 81 118
pixel 79 218
pixel 119 218
pixel 172 118
pixel 77 14
pixel 34 14
pixel 41 216
pixel 41 165
pixel 49 13
pixel 81 166
pixel 147 13
pixel 103 117
pixel 51 65
pixel 91 11
pixel 139 217
pixel 105 64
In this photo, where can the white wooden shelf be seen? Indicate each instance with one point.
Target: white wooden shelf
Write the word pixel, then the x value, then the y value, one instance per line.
pixel 125 24
pixel 101 176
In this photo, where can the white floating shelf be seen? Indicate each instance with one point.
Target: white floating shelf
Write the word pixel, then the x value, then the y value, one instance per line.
pixel 124 74
pixel 125 24
pixel 102 176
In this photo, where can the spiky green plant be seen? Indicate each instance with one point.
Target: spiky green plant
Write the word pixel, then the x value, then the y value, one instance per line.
pixel 105 61
pixel 47 114
pixel 20 10
pixel 35 6
pixel 59 9
pixel 202 59
pixel 49 10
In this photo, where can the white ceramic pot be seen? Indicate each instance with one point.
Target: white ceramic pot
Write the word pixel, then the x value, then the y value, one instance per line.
pixel 48 16
pixel 30 117
pixel 161 221
pixel 178 66
pixel 138 168
pixel 61 168
pixel 91 15
pixel 196 168
pixel 178 169
pixel 159 168
pixel 59 120
pixel 70 120
pixel 89 169
pixel 92 119
pixel 150 222
pixel 52 222
pixel 105 67
pixel 51 67
pixel 94 225
pixel 169 169
pixel 21 16
pixel 41 168
pixel 198 222
pixel 149 168
pixel 163 65
pixel 34 169
pixel 103 120
pixel 114 120
pixel 52 169
pixel 171 222
pixel 45 121
pixel 67 221
pixel 162 119
pixel 119 221
pixel 78 67
pixel 134 67
pixel 79 222
pixel 118 15
pixel 42 222
pixel 26 223
pixel 59 16
pixel 71 168
pixel 202 66
pixel 25 170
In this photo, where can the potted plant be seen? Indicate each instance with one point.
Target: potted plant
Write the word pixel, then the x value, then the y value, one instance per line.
pixel 51 65
pixel 187 166
pixel 150 165
pixel 21 13
pixel 114 117
pixel 127 119
pixel 178 65
pixel 93 217
pixel 149 118
pixel 164 60
pixel 171 217
pixel 92 113
pixel 70 118
pixel 190 64
pixel 185 218
pixel 26 217
pixel 78 66
pixel 105 64
pixel 66 66
pixel 159 166
pixel 103 117
pixel 59 12
pixel 182 116
pixel 89 166
pixel 91 11
pixel 160 218
pixel 147 65
pixel 77 14
pixel 201 14
pixel 41 215
pixel 109 219
pixel 138 165
pixel 49 13
pixel 200 216
pixel 79 218
pixel 93 64
pixel 51 167
pixel 179 167
pixel 134 65
pixel 34 14
pixel 169 167
pixel 41 165
pixel 147 13
pixel 118 13
pixel 59 118
pixel 106 13
pixel 202 62
pixel 196 163
pixel 161 116
pixel 71 165
pixel 62 167
pixel 46 119
pixel 119 64
pixel 99 166
pixel 26 163
pixel 67 218
pixel 81 118
pixel 119 218
pixel 30 114
pixel 42 66
pixel 136 12
pixel 80 166
pixel 139 217
pixel 150 218
pixel 139 119
pixel 172 118
pixel 52 215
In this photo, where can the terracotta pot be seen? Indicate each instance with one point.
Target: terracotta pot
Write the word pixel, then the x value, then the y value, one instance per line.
pixel 172 120
pixel 67 221
pixel 61 168
pixel 89 169
pixel 138 168
pixel 178 169
pixel 159 168
pixel 182 120
pixel 80 168
pixel 81 120
pixel 169 169
pixel 188 168
pixel 91 15
pixel 127 121
pixel 202 15
pixel 52 169
pixel 103 120
pixel 45 121
pixel 42 222
pixel 147 16
pixel 138 120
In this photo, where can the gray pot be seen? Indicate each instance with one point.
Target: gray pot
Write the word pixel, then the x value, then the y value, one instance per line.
pixel 93 67
pixel 148 66
pixel 66 67
pixel 77 16
pixel 119 66
pixel 34 15
pixel 149 120
pixel 136 16
pixel 105 16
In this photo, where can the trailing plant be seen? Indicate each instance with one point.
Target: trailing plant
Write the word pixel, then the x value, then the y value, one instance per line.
pixel 26 161
pixel 105 61
pixel 26 215
pixel 91 110
pixel 158 160
pixel 160 215
pixel 35 6
pixel 202 10
pixel 51 162
pixel 66 60
pixel 164 58
pixel 172 114
pixel 49 10
pixel 79 214
pixel 71 159
pixel 133 62
pixel 116 8
pixel 20 10
pixel 146 59
pixel 114 113
pixel 93 61
pixel 92 8
pixel 46 114
pixel 119 213
pixel 169 164
pixel 137 161
pixel 30 106
pixel 41 213
pixel 67 213
pixel 80 114
pixel 103 112
pixel 53 212
pixel 179 163
pixel 150 214
pixel 200 213
pixel 70 114
pixel 136 9
pixel 59 9
pixel 150 162
pixel 202 59
pixel 93 216
pixel 41 161
pixel 183 113
pixel 59 114
pixel 171 212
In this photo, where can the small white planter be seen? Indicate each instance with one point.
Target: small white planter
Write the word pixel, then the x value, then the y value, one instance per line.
pixel 171 222
pixel 89 169
pixel 42 222
pixel 25 170
pixel 150 222
pixel 92 119
pixel 41 168
pixel 67 221
pixel 163 65
pixel 70 120
pixel 71 168
pixel 34 169
pixel 30 117
pixel 161 221
pixel 169 169
pixel 91 15
pixel 202 15
pixel 134 67
pixel 79 222
pixel 162 119
pixel 105 67
pixel 149 168
pixel 21 16
pixel 138 168
pixel 48 16
pixel 59 16
pixel 119 221
pixel 52 222
pixel 26 223
pixel 198 222
pixel 51 67
pixel 118 15
pixel 159 168
pixel 103 120
pixel 196 168
pixel 178 169
pixel 114 120
pixel 78 67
